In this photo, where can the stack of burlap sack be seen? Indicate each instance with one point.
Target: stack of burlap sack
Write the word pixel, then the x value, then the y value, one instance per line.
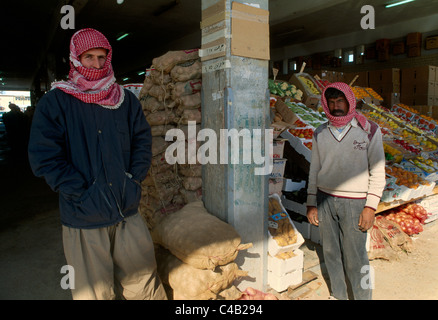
pixel 171 97
pixel 195 254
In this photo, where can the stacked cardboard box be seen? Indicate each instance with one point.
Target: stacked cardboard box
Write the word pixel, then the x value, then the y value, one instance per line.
pixel 413 43
pixel 432 43
pixel 419 86
pixel 386 83
pixel 383 48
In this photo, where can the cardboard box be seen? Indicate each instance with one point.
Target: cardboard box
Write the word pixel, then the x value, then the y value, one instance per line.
pixel 276 186
pixel 281 267
pixel 398 48
pixel 310 99
pixel 278 148
pixel 278 168
pixel 418 74
pixel 432 43
pixel 417 100
pixel 382 44
pixel 249 32
pixel 384 76
pixel 383 55
pixel 414 51
pixel 414 39
pixel 418 88
pixel 282 282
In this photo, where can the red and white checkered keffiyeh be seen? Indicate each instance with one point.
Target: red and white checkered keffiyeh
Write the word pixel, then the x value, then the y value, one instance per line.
pixel 352 113
pixel 91 85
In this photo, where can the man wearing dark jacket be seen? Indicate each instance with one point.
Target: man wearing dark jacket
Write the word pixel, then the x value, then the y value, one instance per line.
pixel 92 144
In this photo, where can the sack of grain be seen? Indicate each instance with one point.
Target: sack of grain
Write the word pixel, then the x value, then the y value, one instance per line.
pixel 192 101
pixel 190 283
pixel 185 73
pixel 198 238
pixel 190 170
pixel 160 78
pixel 147 85
pixel 152 104
pixel 161 118
pixel 159 145
pixel 166 62
pixel 187 115
pixel 191 196
pixel 192 183
pixel 186 88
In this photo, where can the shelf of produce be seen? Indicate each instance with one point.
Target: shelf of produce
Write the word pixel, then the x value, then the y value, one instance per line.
pixel 389 205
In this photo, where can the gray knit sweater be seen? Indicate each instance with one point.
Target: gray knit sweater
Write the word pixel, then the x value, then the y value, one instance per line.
pixel 352 167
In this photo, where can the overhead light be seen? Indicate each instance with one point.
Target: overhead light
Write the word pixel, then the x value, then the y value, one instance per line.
pixel 398 3
pixel 141 73
pixel 125 79
pixel 122 36
pixel 119 1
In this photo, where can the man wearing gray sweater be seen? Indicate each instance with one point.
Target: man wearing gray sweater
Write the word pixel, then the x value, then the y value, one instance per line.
pixel 346 181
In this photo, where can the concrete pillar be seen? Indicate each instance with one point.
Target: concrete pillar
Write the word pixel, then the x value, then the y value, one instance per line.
pixel 235 96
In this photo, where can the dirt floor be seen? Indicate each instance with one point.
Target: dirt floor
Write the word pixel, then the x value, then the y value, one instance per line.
pixel 31 254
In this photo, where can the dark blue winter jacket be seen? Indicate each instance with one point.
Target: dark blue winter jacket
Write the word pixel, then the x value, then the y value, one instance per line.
pixel 93 156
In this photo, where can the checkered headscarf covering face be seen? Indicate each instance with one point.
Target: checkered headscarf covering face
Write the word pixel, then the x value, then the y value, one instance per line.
pixel 91 85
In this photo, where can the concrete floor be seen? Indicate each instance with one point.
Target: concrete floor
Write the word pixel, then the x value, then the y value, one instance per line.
pixel 31 253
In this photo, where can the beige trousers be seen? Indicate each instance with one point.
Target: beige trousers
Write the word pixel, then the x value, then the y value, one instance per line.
pixel 113 262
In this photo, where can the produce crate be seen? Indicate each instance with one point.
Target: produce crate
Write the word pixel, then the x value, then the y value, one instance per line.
pixel 278 168
pixel 282 282
pixel 310 99
pixel 278 148
pixel 283 266
pixel 298 144
pixel 273 247
pixel 276 185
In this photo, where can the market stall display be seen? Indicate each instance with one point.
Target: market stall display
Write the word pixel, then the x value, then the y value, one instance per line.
pixel 410 146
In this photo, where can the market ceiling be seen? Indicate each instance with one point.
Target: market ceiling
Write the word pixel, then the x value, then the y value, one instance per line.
pixel 32 37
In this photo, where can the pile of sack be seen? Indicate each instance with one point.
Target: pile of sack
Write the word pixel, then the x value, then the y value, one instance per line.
pixel 170 98
pixel 195 254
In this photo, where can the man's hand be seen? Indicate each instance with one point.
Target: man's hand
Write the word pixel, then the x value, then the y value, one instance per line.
pixel 366 219
pixel 312 215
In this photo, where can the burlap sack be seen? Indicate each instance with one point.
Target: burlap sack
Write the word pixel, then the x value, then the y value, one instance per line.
pixel 151 104
pixel 189 283
pixel 186 73
pixel 180 89
pixel 192 101
pixel 161 118
pixel 379 247
pixel 191 196
pixel 166 62
pixel 190 170
pixel 157 131
pixel 198 238
pixel 159 145
pixel 160 78
pixel 189 115
pixel 397 239
pixel 161 92
pixel 192 183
